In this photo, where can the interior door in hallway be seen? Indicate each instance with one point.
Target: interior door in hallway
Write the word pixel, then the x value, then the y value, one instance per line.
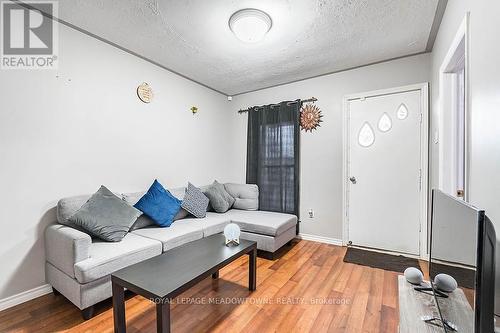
pixel 384 171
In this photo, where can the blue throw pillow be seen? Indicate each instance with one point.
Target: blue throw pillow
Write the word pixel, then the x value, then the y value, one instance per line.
pixel 159 204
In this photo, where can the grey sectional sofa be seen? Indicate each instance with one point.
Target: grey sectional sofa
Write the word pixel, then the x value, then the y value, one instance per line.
pixel 79 266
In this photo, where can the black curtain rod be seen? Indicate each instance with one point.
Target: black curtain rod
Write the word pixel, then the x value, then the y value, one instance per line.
pixel 312 99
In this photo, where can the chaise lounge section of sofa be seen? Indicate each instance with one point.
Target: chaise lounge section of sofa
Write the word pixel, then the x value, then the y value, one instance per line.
pixel 79 266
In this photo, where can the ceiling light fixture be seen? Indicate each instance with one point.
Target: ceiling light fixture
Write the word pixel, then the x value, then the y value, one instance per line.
pixel 250 25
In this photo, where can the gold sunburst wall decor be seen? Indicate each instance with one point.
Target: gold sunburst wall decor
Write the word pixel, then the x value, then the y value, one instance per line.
pixel 310 117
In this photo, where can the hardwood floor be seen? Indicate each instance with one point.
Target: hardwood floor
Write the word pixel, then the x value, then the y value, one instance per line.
pixel 309 289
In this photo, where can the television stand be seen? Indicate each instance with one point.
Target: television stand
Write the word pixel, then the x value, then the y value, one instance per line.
pixel 413 305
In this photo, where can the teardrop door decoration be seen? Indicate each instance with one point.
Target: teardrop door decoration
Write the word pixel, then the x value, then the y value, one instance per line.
pixel 402 112
pixel 366 135
pixel 385 123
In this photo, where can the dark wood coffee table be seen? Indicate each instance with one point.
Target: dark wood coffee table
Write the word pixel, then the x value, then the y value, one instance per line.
pixel 164 277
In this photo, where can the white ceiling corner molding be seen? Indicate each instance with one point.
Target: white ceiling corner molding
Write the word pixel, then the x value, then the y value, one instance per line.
pixel 306 38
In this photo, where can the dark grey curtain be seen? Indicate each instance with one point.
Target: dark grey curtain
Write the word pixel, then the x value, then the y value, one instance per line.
pixel 273 155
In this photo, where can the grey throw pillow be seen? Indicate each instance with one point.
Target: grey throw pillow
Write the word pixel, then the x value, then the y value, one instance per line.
pixel 195 202
pixel 145 221
pixel 220 200
pixel 106 216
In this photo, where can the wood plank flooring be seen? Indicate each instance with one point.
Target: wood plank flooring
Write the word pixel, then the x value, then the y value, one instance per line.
pixel 309 289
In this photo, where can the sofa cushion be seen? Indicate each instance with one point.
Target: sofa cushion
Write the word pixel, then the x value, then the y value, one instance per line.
pixel 159 204
pixel 214 223
pixel 106 258
pixel 262 222
pixel 106 216
pixel 144 221
pixel 246 195
pixel 133 197
pixel 179 232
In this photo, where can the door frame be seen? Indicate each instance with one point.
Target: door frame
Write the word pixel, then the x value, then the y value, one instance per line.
pixel 448 61
pixel 424 157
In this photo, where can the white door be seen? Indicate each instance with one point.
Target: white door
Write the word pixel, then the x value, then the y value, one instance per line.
pixel 383 167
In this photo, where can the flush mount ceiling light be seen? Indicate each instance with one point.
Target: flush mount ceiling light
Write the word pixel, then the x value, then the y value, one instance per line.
pixel 250 25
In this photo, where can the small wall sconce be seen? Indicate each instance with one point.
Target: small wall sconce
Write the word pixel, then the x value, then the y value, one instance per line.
pixel 194 109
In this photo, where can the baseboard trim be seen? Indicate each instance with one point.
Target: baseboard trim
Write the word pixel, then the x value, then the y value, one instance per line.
pixel 321 239
pixel 24 296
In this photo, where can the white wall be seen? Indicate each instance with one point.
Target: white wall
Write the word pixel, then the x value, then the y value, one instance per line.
pixel 321 151
pixel 485 100
pixel 485 95
pixel 68 131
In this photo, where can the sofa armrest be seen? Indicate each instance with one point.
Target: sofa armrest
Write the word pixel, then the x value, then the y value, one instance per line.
pixel 65 246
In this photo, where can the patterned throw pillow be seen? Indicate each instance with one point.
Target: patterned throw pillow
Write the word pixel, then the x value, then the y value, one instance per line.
pixel 195 202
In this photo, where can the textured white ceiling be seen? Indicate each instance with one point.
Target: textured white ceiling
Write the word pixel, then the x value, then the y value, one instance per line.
pixel 308 37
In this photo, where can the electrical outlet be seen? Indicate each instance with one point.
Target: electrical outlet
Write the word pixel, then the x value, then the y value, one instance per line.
pixel 311 213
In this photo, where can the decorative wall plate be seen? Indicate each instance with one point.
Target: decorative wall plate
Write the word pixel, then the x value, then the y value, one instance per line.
pixel 310 117
pixel 144 92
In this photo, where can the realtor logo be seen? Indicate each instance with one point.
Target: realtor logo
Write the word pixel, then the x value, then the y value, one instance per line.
pixel 29 35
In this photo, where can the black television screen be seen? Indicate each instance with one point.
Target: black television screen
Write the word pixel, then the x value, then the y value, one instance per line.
pixel 462 245
pixel 485 277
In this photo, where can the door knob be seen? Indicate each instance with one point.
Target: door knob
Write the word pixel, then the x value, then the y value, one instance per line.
pixel 353 180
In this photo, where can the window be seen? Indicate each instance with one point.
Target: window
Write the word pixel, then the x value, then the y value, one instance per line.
pixel 273 151
pixel 366 136
pixel 277 169
pixel 402 112
pixel 385 123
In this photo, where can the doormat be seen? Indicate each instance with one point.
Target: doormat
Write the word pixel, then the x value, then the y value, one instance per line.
pixel 384 261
